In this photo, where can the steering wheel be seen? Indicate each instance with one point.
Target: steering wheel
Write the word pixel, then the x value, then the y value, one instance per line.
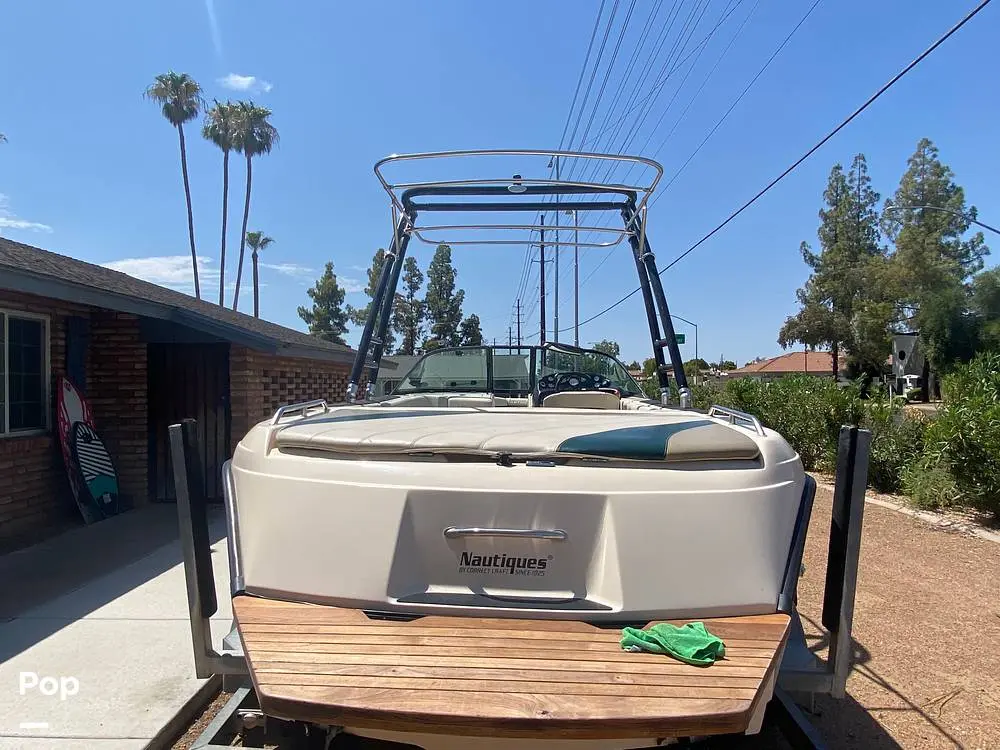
pixel 558 382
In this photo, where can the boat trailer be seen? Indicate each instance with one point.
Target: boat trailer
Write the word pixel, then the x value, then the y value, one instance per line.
pixel 801 674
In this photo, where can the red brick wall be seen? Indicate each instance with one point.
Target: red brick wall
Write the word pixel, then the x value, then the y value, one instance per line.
pixel 116 389
pixel 35 498
pixel 34 490
pixel 260 383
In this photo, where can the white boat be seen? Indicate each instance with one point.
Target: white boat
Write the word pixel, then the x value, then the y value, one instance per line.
pixel 443 565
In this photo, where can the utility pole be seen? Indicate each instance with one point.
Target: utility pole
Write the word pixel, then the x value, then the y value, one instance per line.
pixel 555 310
pixel 518 322
pixel 510 336
pixel 576 278
pixel 541 285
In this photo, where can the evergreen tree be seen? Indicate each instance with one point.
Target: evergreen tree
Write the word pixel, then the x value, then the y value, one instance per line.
pixel 608 347
pixel 844 303
pixel 327 318
pixel 359 315
pixel 986 305
pixel 932 263
pixel 408 317
pixel 443 303
pixel 471 333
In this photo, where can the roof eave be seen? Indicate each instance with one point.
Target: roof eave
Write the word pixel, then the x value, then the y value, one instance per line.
pixel 25 282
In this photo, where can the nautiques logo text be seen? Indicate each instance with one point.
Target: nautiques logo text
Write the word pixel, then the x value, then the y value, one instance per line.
pixel 501 564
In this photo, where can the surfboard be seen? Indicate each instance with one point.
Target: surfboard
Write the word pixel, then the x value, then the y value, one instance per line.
pixel 72 408
pixel 97 470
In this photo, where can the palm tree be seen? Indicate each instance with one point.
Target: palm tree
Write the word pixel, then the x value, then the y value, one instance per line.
pixel 180 96
pixel 255 136
pixel 257 241
pixel 220 129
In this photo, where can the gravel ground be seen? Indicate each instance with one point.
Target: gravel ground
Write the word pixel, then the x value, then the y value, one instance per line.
pixel 926 631
pixel 927 637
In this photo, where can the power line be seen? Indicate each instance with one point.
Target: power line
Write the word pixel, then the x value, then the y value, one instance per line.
pixel 593 74
pixel 607 73
pixel 662 76
pixel 583 69
pixel 634 131
pixel 736 101
pixel 649 137
pixel 871 100
pixel 522 284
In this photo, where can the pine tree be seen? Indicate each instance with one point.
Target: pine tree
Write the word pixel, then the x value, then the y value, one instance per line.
pixel 359 315
pixel 408 318
pixel 607 347
pixel 327 319
pixel 932 264
pixel 471 332
pixel 844 303
pixel 443 303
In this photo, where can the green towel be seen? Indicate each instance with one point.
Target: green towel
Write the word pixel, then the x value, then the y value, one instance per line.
pixel 690 643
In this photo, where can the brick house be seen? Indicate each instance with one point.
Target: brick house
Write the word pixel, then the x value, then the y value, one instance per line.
pixel 145 357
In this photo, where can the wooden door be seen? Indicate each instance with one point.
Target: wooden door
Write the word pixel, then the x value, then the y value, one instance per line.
pixel 188 380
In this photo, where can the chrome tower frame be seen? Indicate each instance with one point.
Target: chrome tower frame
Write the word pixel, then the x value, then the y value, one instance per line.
pixel 510 195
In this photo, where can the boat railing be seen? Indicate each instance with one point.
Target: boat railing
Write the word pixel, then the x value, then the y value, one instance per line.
pixel 303 408
pixel 737 417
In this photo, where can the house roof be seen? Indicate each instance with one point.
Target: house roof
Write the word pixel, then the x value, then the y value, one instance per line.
pixel 31 270
pixel 792 362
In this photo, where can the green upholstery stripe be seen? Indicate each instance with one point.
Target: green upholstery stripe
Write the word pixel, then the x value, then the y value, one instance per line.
pixel 645 443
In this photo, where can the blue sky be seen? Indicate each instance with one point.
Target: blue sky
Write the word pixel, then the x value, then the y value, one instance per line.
pixel 91 169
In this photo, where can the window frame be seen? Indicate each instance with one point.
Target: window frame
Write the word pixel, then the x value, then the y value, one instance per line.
pixel 46 321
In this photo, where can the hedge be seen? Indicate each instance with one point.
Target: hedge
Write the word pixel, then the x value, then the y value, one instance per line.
pixel 952 459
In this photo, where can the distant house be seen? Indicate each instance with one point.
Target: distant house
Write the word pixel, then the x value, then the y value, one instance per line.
pixel 799 362
pixel 144 357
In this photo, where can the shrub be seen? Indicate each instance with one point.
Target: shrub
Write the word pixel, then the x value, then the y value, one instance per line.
pixel 929 486
pixel 897 441
pixel 964 438
pixel 808 411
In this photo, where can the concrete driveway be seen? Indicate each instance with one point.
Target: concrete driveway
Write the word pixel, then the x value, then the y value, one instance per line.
pixel 95 642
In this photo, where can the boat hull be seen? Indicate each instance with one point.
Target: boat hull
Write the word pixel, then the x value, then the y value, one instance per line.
pixel 634 543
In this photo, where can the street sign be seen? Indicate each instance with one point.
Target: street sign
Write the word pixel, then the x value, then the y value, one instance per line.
pixel 679 337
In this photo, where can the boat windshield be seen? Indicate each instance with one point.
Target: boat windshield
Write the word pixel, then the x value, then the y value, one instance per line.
pixel 507 370
pixel 463 370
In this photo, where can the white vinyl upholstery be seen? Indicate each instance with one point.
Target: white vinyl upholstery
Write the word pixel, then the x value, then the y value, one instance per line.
pixel 582 400
pixel 660 436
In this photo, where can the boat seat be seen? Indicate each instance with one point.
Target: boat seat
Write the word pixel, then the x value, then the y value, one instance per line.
pixel 627 435
pixel 582 400
pixel 471 402
pixel 500 677
pixel 511 401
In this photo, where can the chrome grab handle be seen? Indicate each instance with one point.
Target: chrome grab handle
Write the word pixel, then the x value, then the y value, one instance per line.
pixel 303 407
pixel 455 532
pixel 735 417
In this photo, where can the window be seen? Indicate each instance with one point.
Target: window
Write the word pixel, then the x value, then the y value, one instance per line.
pixel 24 366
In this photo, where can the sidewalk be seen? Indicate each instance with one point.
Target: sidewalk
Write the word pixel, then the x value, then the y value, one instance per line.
pixel 103 610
